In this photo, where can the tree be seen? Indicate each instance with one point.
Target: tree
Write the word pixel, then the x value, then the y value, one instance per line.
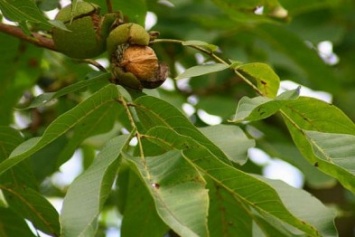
pixel 168 171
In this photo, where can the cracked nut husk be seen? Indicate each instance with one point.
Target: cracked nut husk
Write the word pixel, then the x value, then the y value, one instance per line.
pixel 143 64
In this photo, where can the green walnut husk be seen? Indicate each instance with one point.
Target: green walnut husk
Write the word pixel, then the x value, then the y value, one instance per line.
pixel 128 33
pixel 84 39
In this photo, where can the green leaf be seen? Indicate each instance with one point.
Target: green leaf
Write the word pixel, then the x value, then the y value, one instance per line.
pixel 46 97
pixel 178 191
pixel 61 125
pixel 205 45
pixel 41 165
pixel 154 112
pixel 9 139
pixel 22 10
pixel 13 225
pixel 226 216
pixel 267 81
pixel 316 213
pixel 246 190
pixel 140 211
pixel 300 116
pixel 202 70
pixel 22 175
pixel 96 123
pixel 231 140
pixel 79 218
pixel 31 205
pixel 337 153
pixel 261 107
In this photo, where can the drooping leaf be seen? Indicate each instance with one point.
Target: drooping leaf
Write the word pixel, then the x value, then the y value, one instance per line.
pixel 247 191
pixel 178 192
pixel 250 192
pixel 336 153
pixel 79 218
pixel 300 116
pixel 31 205
pixel 202 70
pixel 267 80
pixel 261 107
pixel 231 139
pixel 316 213
pixel 61 125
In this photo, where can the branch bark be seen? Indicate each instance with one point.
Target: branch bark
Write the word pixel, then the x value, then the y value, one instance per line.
pixel 35 38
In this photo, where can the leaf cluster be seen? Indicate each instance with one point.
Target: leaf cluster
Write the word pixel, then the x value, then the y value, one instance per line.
pixel 163 168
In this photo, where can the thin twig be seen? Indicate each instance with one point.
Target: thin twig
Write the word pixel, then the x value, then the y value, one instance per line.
pixel 41 41
pixel 212 55
pixel 133 125
pixel 247 81
pixel 35 38
pixel 109 6
pixel 94 63
pixel 199 48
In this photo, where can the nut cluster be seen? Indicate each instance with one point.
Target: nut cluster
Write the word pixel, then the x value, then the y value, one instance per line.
pixel 134 64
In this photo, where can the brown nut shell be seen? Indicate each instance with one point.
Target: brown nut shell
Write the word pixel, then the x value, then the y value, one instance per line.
pixel 141 61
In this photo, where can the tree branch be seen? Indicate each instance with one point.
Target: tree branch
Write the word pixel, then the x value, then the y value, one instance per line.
pixel 35 38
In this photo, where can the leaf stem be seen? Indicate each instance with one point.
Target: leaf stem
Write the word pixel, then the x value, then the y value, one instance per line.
pixel 40 41
pixel 213 56
pixel 247 81
pixel 94 63
pixel 109 6
pixel 133 125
